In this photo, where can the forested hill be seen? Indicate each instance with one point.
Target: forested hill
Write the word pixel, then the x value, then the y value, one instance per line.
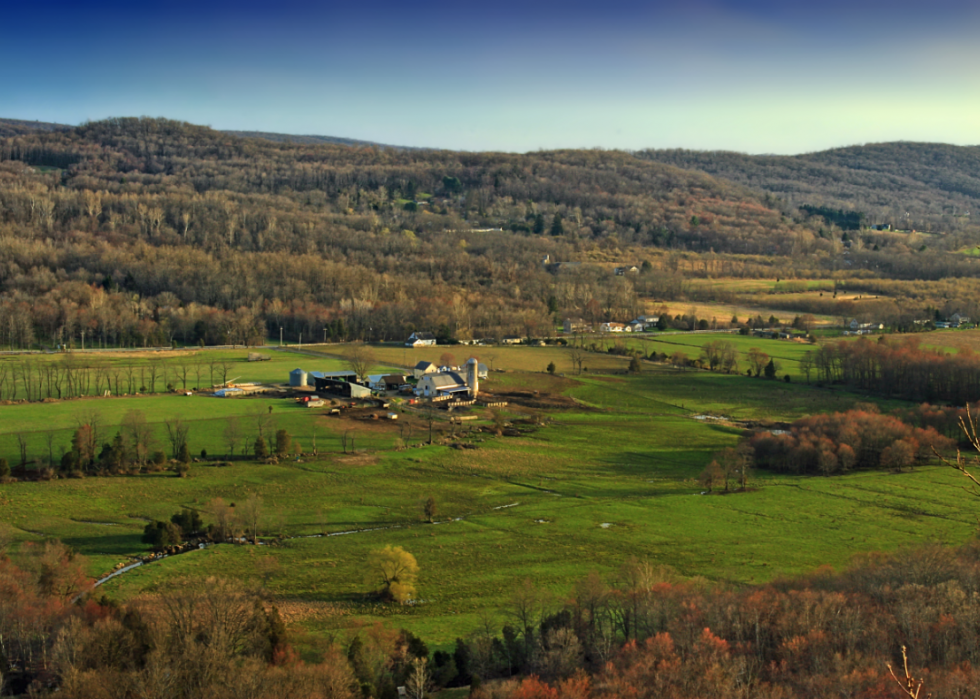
pixel 937 185
pixel 17 127
pixel 308 139
pixel 221 238
pixel 596 195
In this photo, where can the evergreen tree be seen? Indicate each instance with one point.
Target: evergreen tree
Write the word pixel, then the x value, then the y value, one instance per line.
pixel 770 370
pixel 538 227
pixel 283 443
pixel 556 226
pixel 261 450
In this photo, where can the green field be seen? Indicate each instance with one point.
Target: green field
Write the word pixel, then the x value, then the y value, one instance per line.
pixel 611 475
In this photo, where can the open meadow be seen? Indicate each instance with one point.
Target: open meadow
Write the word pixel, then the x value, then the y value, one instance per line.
pixel 604 467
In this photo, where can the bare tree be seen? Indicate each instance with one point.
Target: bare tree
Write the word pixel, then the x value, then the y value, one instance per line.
pixel 177 431
pixel 137 433
pixel 577 355
pixel 360 358
pixel 250 514
pixel 22 446
pixel 226 521
pixel 232 434
pixel 417 681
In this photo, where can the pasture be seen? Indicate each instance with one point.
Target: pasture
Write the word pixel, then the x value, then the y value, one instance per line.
pixel 610 476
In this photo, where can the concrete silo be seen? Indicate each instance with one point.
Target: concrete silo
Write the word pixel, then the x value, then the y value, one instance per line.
pixel 473 377
pixel 297 377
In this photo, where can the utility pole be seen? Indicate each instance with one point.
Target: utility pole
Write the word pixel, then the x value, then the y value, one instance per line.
pixel 301 340
pixel 324 334
pixel 280 336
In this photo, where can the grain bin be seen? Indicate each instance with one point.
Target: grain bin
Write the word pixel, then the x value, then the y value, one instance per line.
pixel 297 377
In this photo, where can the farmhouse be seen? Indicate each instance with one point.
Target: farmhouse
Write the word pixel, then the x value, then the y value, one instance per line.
pixel 420 340
pixel 510 340
pixel 628 269
pixel 575 325
pixel 423 368
pixel 613 328
pixel 957 319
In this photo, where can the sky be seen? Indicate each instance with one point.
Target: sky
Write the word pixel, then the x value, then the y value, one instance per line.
pixel 756 76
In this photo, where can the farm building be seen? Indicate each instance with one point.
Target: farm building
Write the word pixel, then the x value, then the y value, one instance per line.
pixel 420 340
pixel 575 325
pixel 386 382
pixel 510 340
pixel 423 368
pixel 333 375
pixel 297 377
pixel 343 389
pixel 228 393
pixel 433 385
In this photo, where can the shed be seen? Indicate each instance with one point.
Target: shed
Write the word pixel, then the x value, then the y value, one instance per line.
pixel 343 389
pixel 333 375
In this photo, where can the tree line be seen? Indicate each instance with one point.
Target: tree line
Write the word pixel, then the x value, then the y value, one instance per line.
pixel 897 368
pixel 640 632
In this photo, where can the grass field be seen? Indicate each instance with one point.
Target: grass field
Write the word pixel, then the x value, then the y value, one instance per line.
pixel 612 475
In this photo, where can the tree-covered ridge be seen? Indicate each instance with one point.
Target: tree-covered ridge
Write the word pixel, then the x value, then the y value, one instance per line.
pixel 242 236
pixel 17 127
pixel 936 184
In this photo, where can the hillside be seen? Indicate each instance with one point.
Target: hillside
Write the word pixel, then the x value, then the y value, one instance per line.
pixel 385 241
pixel 307 139
pixel 18 127
pixel 936 184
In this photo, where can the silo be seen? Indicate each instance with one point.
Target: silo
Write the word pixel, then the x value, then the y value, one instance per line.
pixel 297 377
pixel 473 377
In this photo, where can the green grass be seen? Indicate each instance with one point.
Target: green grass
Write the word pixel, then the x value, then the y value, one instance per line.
pixel 612 478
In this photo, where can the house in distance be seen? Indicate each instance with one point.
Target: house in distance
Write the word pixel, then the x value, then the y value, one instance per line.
pixel 420 340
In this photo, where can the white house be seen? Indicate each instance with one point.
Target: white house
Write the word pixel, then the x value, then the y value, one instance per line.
pixel 612 328
pixel 423 368
pixel 420 340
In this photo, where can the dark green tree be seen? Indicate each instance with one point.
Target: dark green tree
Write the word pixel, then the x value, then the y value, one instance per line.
pixel 4 468
pixel 551 368
pixel 188 520
pixel 538 227
pixel 770 370
pixel 261 450
pixel 556 225
pixel 283 443
pixel 160 535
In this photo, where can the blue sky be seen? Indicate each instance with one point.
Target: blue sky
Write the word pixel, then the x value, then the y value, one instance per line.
pixel 760 77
